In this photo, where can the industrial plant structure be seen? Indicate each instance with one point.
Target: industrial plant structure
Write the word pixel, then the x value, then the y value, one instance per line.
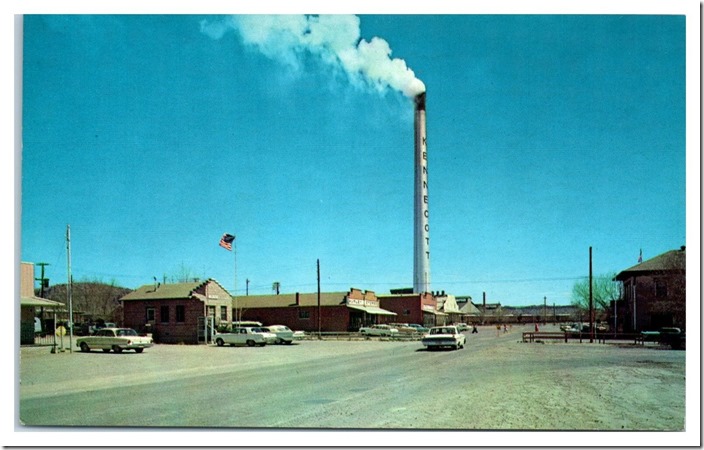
pixel 421 228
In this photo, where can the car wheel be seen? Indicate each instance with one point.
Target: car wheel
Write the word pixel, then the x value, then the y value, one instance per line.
pixel 106 350
pixel 139 350
pixel 219 342
pixel 84 347
pixel 250 343
pixel 288 342
pixel 116 349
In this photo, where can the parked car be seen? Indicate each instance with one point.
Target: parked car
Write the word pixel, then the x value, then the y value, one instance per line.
pixel 419 328
pixel 403 327
pixel 575 328
pixel 299 334
pixel 249 336
pixel 378 330
pixel 462 326
pixel 269 338
pixel 115 339
pixel 284 335
pixel 672 336
pixel 446 336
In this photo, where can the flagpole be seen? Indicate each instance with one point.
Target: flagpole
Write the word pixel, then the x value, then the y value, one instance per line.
pixel 237 309
pixel 229 243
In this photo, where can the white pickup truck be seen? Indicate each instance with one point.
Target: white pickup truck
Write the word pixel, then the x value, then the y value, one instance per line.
pixel 446 336
pixel 249 336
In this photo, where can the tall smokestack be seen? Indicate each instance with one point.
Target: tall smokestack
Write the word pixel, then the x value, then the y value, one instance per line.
pixel 421 229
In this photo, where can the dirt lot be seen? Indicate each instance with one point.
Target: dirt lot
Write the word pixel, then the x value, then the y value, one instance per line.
pixel 496 383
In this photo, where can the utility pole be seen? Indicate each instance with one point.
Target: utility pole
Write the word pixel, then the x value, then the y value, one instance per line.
pixel 591 300
pixel 318 270
pixel 545 310
pixel 247 287
pixel 554 312
pixel 69 289
pixel 43 282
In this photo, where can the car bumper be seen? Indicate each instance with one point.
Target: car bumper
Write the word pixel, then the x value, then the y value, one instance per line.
pixel 441 343
pixel 137 345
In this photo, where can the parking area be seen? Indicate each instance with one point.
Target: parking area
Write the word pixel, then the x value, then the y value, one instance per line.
pixel 495 383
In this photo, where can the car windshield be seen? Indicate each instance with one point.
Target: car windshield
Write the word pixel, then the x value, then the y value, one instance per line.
pixel 126 332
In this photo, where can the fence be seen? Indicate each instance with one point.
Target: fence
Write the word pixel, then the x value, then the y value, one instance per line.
pixel 538 336
pixel 50 340
pixel 357 336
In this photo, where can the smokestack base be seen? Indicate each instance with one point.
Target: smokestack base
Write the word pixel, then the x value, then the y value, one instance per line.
pixel 420 101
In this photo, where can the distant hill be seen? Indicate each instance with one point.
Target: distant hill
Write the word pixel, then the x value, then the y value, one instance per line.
pixel 539 310
pixel 91 300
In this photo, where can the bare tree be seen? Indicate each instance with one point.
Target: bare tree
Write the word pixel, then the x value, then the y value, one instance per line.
pixel 92 299
pixel 604 291
pixel 184 274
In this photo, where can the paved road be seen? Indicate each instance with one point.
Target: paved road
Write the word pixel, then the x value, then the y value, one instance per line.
pixel 308 384
pixel 311 384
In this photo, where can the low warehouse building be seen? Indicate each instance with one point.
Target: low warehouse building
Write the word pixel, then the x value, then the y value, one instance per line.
pixel 336 311
pixel 414 308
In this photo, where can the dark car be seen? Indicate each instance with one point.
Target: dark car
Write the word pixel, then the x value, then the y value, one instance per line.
pixel 672 336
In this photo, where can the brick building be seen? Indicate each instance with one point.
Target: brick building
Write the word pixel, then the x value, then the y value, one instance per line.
pixel 339 311
pixel 175 313
pixel 414 308
pixel 654 293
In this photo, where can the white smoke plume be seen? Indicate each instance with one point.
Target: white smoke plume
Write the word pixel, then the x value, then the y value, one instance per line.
pixel 334 39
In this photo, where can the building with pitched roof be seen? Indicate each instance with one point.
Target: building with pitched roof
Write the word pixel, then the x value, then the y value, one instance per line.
pixel 335 311
pixel 33 309
pixel 176 313
pixel 654 293
pixel 468 310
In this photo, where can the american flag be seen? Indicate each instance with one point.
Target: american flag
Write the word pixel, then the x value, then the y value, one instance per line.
pixel 226 241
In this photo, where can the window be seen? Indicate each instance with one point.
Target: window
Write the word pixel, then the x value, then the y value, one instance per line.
pixel 406 312
pixel 660 289
pixel 223 313
pixel 211 310
pixel 164 314
pixel 151 312
pixel 303 314
pixel 180 313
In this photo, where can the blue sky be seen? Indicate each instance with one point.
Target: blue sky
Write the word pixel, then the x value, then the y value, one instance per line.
pixel 152 137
